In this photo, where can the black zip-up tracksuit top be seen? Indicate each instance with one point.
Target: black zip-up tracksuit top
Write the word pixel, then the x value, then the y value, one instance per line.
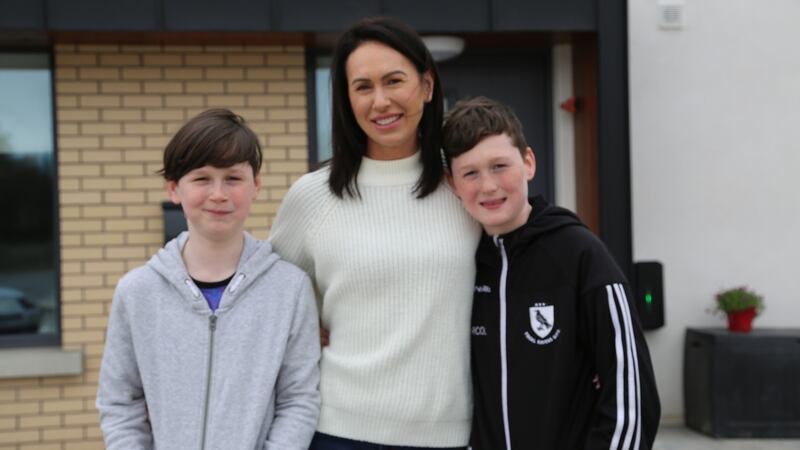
pixel 558 356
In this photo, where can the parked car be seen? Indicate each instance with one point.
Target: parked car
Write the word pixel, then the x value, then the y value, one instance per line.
pixel 17 313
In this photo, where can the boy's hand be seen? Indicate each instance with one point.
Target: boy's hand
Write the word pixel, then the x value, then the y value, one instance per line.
pixel 324 337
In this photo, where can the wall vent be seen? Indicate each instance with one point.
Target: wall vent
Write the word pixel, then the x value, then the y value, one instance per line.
pixel 671 15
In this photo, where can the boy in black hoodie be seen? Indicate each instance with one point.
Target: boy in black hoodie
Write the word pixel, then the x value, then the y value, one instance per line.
pixel 558 356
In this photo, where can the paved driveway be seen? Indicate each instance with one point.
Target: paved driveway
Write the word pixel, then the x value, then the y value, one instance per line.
pixel 680 438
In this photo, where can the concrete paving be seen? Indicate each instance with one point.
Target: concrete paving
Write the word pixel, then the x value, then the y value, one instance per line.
pixel 681 438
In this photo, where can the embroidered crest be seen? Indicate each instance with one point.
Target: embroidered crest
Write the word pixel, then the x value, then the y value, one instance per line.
pixel 543 324
pixel 542 319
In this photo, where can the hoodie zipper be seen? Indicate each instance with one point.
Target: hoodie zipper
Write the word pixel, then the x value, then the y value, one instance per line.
pixel 212 327
pixel 503 349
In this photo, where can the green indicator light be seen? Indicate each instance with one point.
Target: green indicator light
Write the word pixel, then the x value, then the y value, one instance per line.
pixel 648 298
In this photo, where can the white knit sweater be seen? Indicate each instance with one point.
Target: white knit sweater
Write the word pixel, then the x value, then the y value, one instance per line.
pixel 395 277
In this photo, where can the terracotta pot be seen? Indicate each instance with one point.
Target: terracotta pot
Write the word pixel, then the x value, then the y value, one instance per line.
pixel 741 321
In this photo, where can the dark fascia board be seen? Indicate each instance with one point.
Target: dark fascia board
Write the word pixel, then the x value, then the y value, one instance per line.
pixel 230 15
pixel 527 15
pixel 21 14
pixel 314 16
pixel 13 39
pixel 441 16
pixel 104 15
pixel 321 15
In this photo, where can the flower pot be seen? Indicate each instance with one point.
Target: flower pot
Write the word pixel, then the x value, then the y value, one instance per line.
pixel 741 321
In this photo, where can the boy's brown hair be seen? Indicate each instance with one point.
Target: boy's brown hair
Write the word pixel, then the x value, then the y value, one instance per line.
pixel 470 121
pixel 215 137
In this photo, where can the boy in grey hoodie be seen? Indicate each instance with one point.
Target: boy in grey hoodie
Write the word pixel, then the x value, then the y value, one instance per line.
pixel 214 343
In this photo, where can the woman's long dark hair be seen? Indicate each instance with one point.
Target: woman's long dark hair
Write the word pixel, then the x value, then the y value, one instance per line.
pixel 349 140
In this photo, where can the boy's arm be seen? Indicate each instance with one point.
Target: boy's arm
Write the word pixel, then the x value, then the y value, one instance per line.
pixel 297 399
pixel 120 396
pixel 628 410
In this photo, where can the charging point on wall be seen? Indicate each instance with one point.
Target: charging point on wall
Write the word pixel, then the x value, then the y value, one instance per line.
pixel 648 287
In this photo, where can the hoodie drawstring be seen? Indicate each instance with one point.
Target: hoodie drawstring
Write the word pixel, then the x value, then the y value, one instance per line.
pixel 237 280
pixel 195 291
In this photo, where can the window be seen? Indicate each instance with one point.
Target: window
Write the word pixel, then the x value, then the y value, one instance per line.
pixel 322 90
pixel 29 307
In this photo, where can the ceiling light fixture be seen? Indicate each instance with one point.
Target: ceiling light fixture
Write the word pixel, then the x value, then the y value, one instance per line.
pixel 443 48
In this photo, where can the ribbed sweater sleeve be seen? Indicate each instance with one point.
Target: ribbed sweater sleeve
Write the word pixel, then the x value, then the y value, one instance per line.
pixel 396 276
pixel 296 220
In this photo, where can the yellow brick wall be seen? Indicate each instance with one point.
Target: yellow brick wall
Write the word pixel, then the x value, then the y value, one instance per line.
pixel 116 108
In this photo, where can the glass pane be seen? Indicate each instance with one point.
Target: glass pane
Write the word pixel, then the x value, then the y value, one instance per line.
pixel 323 95
pixel 28 276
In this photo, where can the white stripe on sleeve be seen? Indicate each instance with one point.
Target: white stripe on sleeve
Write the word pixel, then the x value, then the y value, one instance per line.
pixel 634 402
pixel 612 308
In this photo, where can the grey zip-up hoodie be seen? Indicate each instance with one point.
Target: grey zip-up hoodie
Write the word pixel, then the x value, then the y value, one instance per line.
pixel 176 376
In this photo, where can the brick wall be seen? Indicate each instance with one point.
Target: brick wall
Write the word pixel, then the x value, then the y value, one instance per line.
pixel 116 108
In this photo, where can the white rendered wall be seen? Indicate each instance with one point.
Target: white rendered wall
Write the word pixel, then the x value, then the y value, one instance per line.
pixel 715 164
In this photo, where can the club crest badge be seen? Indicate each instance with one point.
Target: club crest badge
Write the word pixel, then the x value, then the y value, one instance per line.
pixel 543 324
pixel 542 320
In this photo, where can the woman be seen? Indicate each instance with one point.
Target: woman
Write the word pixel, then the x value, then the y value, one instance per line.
pixel 390 251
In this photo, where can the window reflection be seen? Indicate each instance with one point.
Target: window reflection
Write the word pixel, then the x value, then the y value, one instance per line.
pixel 322 79
pixel 28 276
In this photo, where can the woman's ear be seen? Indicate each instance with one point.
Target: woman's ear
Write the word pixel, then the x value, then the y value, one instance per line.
pixel 427 85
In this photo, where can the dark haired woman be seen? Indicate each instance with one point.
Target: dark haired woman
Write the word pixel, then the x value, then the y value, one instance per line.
pixel 390 250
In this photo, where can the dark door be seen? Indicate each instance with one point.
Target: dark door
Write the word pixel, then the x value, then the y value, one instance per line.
pixel 519 78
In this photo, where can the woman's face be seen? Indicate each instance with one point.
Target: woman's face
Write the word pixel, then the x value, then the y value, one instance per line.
pixel 387 96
